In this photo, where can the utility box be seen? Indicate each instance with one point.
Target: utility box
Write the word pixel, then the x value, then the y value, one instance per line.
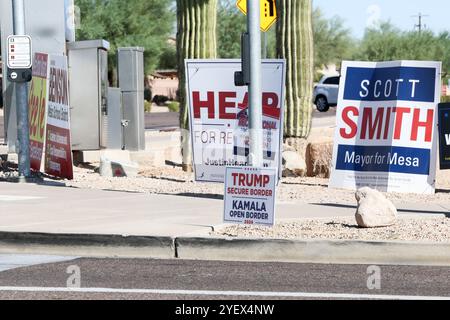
pixel 116 124
pixel 131 82
pixel 88 78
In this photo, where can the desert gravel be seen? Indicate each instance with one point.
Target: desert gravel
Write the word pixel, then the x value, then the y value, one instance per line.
pixel 432 229
pixel 172 180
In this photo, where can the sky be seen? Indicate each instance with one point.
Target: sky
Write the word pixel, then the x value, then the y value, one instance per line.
pixel 358 14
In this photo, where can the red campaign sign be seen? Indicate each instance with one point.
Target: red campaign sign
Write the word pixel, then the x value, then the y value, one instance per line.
pixel 37 106
pixel 58 160
pixel 58 151
pixel 250 195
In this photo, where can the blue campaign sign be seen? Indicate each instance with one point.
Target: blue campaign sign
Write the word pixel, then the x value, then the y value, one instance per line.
pixel 394 83
pixel 444 135
pixel 383 159
pixel 386 133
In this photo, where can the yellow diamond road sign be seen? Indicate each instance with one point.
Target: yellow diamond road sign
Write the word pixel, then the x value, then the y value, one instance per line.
pixel 268 12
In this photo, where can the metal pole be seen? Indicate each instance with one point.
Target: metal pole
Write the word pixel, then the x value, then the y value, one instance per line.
pixel 22 100
pixel 255 95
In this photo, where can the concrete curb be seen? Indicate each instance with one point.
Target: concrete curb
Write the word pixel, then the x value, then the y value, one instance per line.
pixel 229 249
pixel 88 245
pixel 314 251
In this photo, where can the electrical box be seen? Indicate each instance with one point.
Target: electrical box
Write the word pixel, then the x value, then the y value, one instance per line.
pixel 88 78
pixel 131 82
pixel 116 124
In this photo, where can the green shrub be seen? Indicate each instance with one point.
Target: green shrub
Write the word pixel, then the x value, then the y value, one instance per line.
pixel 147 106
pixel 445 99
pixel 174 106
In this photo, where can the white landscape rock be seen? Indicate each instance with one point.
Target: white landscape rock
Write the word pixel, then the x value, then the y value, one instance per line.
pixel 293 164
pixel 374 210
pixel 118 168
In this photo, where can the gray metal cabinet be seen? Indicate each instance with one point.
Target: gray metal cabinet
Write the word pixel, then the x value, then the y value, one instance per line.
pixel 88 77
pixel 131 82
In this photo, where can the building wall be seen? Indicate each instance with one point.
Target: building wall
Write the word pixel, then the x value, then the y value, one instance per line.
pixel 164 87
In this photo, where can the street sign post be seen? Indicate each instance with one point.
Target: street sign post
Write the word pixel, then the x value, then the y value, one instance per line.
pixel 19 59
pixel 268 12
pixel 19 52
pixel 255 86
pixel 21 76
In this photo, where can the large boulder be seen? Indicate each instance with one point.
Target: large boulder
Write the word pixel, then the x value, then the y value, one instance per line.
pixel 374 210
pixel 319 156
pixel 293 164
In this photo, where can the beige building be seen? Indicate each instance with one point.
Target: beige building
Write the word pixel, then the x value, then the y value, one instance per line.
pixel 164 83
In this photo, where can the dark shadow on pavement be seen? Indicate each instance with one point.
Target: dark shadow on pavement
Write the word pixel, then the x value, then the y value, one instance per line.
pixel 442 190
pixel 196 195
pixel 337 205
pixel 167 179
pixel 39 183
pixel 306 184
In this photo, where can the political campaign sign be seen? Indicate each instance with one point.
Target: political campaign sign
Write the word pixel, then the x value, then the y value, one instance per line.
pixel 444 135
pixel 386 133
pixel 58 147
pixel 37 106
pixel 218 112
pixel 250 195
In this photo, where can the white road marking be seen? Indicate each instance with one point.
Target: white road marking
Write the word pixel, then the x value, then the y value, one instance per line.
pixel 14 261
pixel 6 198
pixel 225 293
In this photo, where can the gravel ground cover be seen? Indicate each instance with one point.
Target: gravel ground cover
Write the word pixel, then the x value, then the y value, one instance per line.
pixel 427 229
pixel 172 180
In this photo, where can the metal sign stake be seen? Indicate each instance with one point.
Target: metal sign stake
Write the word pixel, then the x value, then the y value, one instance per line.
pixel 255 94
pixel 22 101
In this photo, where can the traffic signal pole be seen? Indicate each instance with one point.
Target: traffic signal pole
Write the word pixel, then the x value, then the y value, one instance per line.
pixel 254 89
pixel 22 101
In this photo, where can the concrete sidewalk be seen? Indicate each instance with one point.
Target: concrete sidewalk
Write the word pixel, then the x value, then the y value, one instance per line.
pixel 58 220
pixel 57 209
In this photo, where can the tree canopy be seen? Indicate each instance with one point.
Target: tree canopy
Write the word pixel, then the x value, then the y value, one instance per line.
pixel 145 23
pixel 150 23
pixel 332 41
pixel 389 43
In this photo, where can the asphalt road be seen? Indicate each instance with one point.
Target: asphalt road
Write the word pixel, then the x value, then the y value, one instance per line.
pixel 163 120
pixel 170 120
pixel 216 280
pixel 158 121
pixel 153 121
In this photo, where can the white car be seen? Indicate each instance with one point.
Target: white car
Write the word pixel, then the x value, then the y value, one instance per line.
pixel 326 92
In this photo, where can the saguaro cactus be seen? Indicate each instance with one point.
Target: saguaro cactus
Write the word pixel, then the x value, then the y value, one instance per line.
pixel 295 44
pixel 196 39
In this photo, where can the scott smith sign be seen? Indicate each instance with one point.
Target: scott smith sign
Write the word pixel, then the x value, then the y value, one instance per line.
pixel 386 135
pixel 219 116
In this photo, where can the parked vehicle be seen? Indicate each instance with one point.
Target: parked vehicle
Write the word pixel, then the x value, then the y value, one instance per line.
pixel 326 93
